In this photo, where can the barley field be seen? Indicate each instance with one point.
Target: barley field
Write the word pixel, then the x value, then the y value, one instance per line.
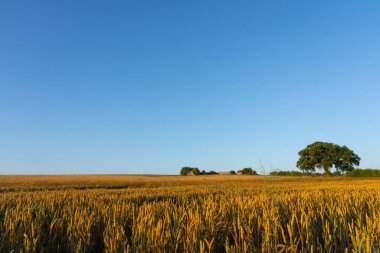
pixel 118 213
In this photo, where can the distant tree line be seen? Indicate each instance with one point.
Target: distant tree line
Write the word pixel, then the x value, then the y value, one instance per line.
pixel 364 173
pixel 351 173
pixel 318 155
pixel 187 171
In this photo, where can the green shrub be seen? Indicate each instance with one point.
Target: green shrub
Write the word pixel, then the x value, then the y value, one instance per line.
pixel 336 173
pixel 364 173
pixel 287 173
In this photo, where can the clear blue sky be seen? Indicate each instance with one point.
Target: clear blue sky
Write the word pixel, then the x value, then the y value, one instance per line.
pixel 151 86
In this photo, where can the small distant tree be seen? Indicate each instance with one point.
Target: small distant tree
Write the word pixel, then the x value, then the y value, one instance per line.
pixel 185 170
pixel 324 155
pixel 248 171
pixel 232 172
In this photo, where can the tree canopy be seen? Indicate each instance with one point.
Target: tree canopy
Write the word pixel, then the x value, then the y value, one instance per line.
pixel 325 155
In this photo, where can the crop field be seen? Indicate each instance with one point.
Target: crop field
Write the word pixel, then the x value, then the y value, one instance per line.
pixel 104 213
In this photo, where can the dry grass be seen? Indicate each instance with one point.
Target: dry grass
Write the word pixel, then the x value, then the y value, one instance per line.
pixel 188 214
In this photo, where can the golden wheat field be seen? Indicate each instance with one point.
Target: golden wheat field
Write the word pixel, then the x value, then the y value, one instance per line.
pixel 104 213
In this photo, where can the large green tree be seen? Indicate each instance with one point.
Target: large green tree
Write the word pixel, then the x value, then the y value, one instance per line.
pixel 325 155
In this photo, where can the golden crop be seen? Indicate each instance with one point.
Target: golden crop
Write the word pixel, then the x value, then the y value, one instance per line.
pixel 197 214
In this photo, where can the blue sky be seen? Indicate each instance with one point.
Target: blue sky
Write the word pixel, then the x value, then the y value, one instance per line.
pixel 151 86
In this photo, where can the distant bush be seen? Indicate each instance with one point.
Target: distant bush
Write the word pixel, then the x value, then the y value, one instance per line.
pixel 248 171
pixel 364 173
pixel 209 172
pixel 232 172
pixel 287 173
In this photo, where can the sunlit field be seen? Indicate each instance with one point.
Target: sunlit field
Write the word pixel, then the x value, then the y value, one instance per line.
pixel 229 213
